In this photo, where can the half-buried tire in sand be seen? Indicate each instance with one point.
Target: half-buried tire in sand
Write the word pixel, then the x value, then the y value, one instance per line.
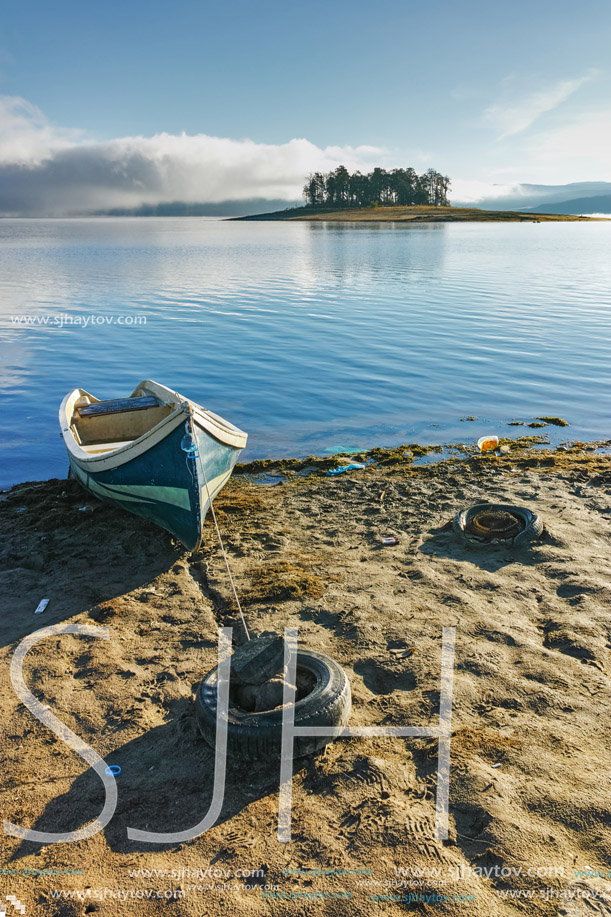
pixel 323 699
pixel 493 523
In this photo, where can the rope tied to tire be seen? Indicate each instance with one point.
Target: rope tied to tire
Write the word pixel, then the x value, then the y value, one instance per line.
pixel 191 448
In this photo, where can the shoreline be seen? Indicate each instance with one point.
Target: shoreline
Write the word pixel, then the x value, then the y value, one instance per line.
pixel 402 456
pixel 417 214
pixel 408 455
pixel 531 674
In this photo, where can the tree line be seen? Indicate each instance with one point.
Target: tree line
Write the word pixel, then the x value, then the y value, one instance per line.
pixel 399 187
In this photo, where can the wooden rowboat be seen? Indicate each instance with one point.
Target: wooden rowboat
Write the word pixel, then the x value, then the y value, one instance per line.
pixel 156 454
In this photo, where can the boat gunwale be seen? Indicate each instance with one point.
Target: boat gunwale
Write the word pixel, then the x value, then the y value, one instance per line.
pixel 230 436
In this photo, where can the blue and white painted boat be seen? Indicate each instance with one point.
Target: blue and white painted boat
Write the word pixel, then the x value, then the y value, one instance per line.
pixel 156 454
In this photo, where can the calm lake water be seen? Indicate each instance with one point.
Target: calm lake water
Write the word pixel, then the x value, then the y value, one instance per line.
pixel 312 337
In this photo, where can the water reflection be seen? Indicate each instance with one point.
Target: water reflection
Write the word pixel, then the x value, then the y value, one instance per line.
pixel 305 334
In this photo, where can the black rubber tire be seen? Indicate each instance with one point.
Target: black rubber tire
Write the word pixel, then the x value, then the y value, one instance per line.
pixel 259 735
pixel 533 524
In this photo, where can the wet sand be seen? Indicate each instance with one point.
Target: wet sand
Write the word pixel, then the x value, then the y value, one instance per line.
pixel 529 784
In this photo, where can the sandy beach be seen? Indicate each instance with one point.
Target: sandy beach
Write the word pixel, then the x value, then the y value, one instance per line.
pixel 529 789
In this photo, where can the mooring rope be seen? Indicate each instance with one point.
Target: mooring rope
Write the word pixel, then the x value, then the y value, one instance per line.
pixel 224 552
pixel 194 451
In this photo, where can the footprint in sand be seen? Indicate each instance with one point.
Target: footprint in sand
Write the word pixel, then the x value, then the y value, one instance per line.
pixel 381 680
pixel 568 640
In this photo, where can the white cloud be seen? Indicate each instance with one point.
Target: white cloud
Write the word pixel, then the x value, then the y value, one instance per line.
pixel 471 192
pixel 513 117
pixel 44 169
pixel 26 136
pixel 565 149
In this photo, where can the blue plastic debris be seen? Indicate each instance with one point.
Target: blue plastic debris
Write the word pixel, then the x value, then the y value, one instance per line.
pixel 343 468
pixel 113 770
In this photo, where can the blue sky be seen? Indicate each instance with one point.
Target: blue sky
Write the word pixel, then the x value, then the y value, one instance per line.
pixel 485 92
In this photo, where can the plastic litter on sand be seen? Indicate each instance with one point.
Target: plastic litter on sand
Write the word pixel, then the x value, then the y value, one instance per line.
pixel 488 443
pixel 342 468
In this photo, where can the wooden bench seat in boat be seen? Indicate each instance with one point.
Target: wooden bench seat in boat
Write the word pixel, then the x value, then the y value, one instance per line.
pixel 106 423
pixel 117 406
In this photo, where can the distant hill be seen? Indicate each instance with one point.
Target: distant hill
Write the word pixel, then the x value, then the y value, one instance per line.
pixel 528 197
pixel 599 204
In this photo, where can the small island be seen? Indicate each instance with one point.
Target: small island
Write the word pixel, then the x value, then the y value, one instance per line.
pixel 400 195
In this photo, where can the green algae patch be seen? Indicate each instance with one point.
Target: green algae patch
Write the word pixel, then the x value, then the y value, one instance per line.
pixel 555 421
pixel 282 581
pixel 401 455
pixel 539 439
pixel 292 465
pixel 239 501
pixel 395 456
pixel 523 443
